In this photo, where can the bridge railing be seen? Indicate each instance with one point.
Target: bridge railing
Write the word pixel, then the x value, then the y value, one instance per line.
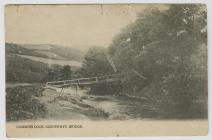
pixel 84 80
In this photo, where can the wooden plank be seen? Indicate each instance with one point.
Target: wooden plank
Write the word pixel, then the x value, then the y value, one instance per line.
pixel 85 81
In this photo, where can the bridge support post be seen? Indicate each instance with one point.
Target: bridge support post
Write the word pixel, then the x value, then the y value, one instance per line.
pixel 61 92
pixel 77 87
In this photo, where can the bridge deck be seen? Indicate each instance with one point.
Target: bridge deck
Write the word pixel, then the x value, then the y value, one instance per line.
pixel 85 81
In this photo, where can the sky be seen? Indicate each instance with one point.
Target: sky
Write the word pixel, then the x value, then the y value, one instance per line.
pixel 68 25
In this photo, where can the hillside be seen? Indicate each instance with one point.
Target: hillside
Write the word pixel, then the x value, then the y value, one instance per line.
pixel 32 63
pixel 23 70
pixel 47 51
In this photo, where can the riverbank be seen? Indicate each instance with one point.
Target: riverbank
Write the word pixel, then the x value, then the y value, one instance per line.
pixel 79 105
pixel 72 104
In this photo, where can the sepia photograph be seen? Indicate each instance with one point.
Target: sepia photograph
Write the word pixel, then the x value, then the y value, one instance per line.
pixel 72 68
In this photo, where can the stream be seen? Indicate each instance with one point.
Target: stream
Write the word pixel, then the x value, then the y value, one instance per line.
pixel 72 104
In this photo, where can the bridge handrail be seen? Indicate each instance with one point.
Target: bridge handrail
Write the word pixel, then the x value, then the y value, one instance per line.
pixel 81 79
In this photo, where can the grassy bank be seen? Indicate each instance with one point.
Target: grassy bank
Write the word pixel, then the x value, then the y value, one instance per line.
pixel 22 103
pixel 24 70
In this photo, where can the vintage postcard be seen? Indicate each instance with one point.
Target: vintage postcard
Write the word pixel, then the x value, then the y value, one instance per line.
pixel 106 70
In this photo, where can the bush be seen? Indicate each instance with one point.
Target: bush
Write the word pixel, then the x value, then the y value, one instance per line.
pixel 24 70
pixel 21 103
pixel 106 88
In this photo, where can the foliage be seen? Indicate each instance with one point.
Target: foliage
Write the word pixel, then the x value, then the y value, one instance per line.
pixel 24 70
pixel 21 103
pixel 106 89
pixel 66 72
pixel 162 56
pixel 162 46
pixel 95 63
pixel 59 73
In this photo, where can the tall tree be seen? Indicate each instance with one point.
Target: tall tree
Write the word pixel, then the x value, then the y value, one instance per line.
pixel 66 72
pixel 162 46
pixel 96 63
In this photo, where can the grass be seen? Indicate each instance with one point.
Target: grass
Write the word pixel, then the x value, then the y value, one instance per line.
pixel 21 103
pixel 24 70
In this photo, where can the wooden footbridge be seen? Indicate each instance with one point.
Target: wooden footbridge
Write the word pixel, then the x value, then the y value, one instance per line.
pixel 84 81
pixel 92 80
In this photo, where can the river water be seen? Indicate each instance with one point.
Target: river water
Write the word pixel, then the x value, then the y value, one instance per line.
pixel 72 104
